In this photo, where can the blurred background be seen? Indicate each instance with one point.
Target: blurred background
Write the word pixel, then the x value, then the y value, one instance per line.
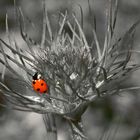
pixel 110 118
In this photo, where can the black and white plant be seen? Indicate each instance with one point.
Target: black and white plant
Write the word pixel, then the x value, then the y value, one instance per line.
pixel 77 72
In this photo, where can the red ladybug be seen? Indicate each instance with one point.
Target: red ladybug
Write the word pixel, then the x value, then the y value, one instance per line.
pixel 38 84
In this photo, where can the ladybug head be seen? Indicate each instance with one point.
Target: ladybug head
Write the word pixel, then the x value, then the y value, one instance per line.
pixel 37 76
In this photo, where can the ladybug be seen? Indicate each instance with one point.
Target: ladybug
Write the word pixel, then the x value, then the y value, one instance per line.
pixel 38 84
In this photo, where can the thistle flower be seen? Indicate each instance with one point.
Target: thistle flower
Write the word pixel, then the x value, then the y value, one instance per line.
pixel 77 72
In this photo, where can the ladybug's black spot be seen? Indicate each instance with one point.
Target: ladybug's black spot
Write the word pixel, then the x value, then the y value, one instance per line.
pixel 45 91
pixel 38 89
pixel 42 84
pixel 33 82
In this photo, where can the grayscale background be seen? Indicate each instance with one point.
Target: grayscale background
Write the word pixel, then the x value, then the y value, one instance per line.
pixel 102 114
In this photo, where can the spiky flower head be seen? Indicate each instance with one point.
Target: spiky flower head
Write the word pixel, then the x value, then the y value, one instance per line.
pixel 77 72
